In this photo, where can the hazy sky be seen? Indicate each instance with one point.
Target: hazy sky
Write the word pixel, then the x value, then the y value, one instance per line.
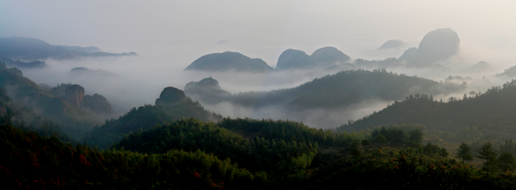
pixel 186 30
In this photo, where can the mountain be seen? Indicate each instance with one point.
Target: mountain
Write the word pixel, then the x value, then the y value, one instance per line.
pixel 436 45
pixel 323 57
pixel 510 73
pixel 229 61
pixel 85 72
pixel 481 66
pixel 171 106
pixel 336 91
pixel 207 90
pixel 63 105
pixel 35 49
pixel 391 44
pixel 22 64
pixel 493 112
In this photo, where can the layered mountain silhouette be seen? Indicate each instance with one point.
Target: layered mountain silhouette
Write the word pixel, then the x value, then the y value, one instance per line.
pixel 289 59
pixel 329 92
pixel 436 46
pixel 32 51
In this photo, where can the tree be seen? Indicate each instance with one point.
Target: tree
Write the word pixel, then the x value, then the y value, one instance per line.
pixel 443 152
pixel 355 144
pixel 506 159
pixel 415 138
pixel 464 153
pixel 365 143
pixel 356 152
pixel 380 139
pixel 487 153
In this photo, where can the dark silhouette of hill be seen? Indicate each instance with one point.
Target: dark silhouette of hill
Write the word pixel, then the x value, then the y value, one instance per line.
pixel 228 61
pixel 34 49
pixel 85 72
pixel 339 90
pixel 492 111
pixel 21 64
pixel 323 57
pixel 171 106
pixel 436 45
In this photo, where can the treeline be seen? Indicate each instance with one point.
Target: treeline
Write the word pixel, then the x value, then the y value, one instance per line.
pixel 35 162
pixel 282 160
pixel 30 161
pixel 492 112
pixel 337 91
pixel 144 118
pixel 27 96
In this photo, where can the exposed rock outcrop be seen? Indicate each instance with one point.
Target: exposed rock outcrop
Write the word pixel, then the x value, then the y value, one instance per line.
pixel 74 95
pixel 97 103
pixel 206 90
pixel 170 95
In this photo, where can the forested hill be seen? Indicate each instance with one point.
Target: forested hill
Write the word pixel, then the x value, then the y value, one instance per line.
pixel 342 89
pixel 492 111
pixel 171 106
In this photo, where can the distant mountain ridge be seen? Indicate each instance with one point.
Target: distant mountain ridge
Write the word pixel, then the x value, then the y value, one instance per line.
pixel 31 49
pixel 331 91
pixel 435 46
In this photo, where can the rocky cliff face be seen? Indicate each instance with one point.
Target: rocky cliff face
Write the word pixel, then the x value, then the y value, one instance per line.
pixel 206 91
pixel 74 95
pixel 97 103
pixel 170 95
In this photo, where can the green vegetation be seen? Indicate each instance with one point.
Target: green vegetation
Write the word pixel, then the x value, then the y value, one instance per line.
pixel 189 154
pixel 492 112
pixel 339 90
pixel 144 118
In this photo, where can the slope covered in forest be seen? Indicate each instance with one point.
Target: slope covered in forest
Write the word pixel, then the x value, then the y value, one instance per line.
pixel 492 111
pixel 336 91
pixel 171 106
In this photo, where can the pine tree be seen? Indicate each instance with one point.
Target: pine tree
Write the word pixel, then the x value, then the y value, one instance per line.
pixel 487 153
pixel 506 159
pixel 464 153
pixel 365 143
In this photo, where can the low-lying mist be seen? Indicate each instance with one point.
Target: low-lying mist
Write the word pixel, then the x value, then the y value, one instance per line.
pixel 134 81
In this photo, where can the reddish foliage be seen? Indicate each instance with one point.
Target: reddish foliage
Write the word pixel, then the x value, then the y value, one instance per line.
pixel 196 174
